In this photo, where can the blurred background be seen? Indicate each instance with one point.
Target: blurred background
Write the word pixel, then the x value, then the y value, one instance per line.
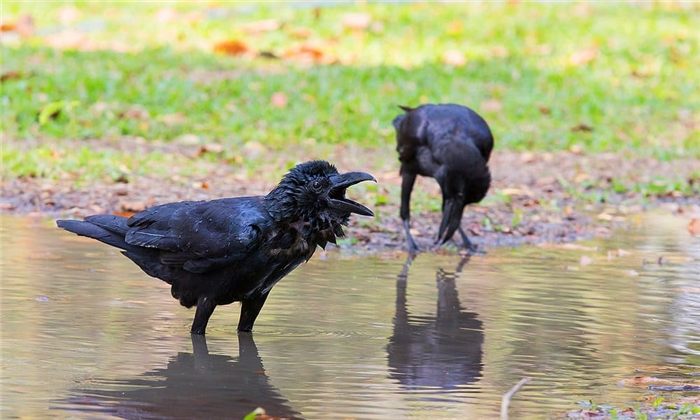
pixel 86 83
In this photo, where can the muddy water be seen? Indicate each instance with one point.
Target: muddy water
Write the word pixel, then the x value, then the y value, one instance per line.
pixel 86 334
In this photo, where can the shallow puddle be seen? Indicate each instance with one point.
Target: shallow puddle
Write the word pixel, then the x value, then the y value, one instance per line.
pixel 86 334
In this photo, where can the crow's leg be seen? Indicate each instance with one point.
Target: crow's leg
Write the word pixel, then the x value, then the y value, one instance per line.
pixel 408 180
pixel 466 243
pixel 250 309
pixel 205 307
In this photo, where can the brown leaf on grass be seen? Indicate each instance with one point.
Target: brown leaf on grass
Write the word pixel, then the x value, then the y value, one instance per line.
pixel 583 56
pixel 455 27
pixel 356 21
pixel 231 47
pixel 166 15
pixel 23 26
pixel 70 40
pixel 694 227
pixel 172 119
pixel 279 100
pixel 135 113
pixel 582 127
pixel 310 51
pixel 544 110
pixel 301 33
pixel 68 14
pixel 454 58
pixel 10 75
pixel 261 26
pixel 492 105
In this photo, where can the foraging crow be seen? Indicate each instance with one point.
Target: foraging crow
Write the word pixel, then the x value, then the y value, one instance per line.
pixel 233 249
pixel 452 144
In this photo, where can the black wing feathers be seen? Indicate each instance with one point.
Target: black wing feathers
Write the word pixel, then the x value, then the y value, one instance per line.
pixel 199 236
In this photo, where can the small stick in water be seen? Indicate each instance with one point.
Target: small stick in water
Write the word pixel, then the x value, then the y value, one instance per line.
pixel 505 401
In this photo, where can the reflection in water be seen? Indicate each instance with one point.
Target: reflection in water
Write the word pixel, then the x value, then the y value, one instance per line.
pixel 193 385
pixel 444 351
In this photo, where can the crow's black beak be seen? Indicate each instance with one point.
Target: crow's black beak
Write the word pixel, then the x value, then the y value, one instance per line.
pixel 451 218
pixel 336 195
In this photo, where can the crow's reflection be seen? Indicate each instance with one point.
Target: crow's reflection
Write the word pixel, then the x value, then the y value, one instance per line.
pixel 442 351
pixel 194 385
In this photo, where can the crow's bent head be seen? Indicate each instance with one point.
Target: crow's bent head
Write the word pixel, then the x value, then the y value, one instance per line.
pixel 314 193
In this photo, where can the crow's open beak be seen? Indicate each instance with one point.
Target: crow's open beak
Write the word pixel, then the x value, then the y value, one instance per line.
pixel 341 182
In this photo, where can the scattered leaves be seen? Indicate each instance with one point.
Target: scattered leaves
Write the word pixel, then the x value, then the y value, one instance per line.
pixel 232 47
pixel 582 127
pixel 279 100
pixel 492 105
pixel 356 21
pixel 261 26
pixel 694 227
pixel 454 58
pixel 583 56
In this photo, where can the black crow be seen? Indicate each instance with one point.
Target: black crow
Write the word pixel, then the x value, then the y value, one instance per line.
pixel 452 144
pixel 233 249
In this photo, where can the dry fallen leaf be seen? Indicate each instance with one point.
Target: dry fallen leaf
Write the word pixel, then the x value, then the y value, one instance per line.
pixel 68 14
pixel 301 33
pixel 166 15
pixel 454 58
pixel 261 26
pixel 279 100
pixel 582 127
pixel 24 26
pixel 694 227
pixel 583 56
pixel 492 105
pixel 231 47
pixel 310 51
pixel 70 40
pixel 356 21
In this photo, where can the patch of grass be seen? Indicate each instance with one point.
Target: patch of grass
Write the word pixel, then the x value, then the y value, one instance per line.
pixel 546 77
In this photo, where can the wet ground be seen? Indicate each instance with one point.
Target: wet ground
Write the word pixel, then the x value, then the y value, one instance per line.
pixel 534 198
pixel 86 334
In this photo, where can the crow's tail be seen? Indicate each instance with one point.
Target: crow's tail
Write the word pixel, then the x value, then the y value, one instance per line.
pixel 105 228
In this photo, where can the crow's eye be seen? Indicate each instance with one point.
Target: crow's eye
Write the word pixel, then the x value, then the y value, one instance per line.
pixel 316 185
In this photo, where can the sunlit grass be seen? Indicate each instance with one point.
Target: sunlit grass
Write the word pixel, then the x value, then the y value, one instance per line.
pixel 595 77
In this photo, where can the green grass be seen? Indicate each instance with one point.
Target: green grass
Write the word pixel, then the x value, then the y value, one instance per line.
pixel 639 92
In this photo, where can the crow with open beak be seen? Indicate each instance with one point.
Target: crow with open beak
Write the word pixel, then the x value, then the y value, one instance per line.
pixel 233 249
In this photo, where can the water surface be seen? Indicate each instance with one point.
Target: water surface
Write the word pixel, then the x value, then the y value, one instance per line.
pixel 86 334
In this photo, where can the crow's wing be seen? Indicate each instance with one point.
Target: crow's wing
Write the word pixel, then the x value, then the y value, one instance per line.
pixel 200 236
pixel 453 130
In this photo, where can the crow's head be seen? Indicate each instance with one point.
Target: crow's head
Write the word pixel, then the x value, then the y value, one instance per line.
pixel 314 193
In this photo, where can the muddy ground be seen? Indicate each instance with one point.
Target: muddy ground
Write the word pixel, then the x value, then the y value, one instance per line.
pixel 534 198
